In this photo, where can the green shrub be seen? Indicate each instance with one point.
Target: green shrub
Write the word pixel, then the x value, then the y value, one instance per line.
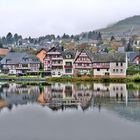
pixel 132 72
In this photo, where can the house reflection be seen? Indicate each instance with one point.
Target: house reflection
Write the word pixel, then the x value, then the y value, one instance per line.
pixel 15 94
pixel 67 95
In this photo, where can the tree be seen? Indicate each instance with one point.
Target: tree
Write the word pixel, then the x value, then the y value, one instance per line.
pixel 4 40
pixel 123 41
pixel 76 38
pixel 106 50
pixel 52 37
pixel 65 36
pixel 112 38
pixel 13 50
pixel 9 38
pixel 72 37
pixel 1 45
pixel 16 37
pixel 99 37
pixel 129 48
pixel 90 35
pixel 58 37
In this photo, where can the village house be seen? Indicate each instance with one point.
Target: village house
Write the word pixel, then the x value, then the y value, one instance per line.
pixel 41 54
pixel 53 62
pixel 98 64
pixel 68 59
pixel 16 62
pixel 3 52
pixel 59 61
pixel 83 63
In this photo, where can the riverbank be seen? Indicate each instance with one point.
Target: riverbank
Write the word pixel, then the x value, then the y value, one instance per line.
pixel 32 79
pixel 135 78
pixel 21 78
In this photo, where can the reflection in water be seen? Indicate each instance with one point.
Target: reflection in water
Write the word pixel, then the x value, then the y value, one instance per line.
pixel 60 96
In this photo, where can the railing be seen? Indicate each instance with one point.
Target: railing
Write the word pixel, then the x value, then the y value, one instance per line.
pixel 57 58
pixel 57 64
pixel 83 61
pixel 68 66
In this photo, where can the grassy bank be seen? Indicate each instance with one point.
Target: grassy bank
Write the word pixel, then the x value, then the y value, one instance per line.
pixel 20 78
pixel 135 78
pixel 38 79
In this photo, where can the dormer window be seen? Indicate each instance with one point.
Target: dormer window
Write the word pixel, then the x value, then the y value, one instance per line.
pixel 68 56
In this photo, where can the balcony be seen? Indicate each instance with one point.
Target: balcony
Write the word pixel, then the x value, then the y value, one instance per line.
pixel 23 68
pixel 52 53
pixel 57 64
pixel 83 67
pixel 83 61
pixel 101 66
pixel 57 58
pixel 68 67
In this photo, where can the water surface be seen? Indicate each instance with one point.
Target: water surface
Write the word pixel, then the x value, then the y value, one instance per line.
pixel 84 111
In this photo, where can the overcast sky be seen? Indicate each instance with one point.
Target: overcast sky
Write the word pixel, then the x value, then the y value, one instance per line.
pixel 41 17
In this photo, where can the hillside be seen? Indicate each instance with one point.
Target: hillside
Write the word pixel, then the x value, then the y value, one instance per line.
pixel 127 26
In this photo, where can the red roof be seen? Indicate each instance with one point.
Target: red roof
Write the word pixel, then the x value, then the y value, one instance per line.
pixel 3 51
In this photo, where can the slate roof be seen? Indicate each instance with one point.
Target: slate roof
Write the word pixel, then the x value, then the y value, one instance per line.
pixel 104 57
pixel 40 49
pixel 69 52
pixel 58 48
pixel 109 57
pixel 19 58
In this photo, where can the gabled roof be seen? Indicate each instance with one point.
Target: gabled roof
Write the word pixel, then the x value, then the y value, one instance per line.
pixel 89 54
pixel 104 57
pixel 69 52
pixel 19 58
pixel 39 50
pixel 109 57
pixel 58 48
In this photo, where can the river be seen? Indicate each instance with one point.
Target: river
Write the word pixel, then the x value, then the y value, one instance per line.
pixel 67 111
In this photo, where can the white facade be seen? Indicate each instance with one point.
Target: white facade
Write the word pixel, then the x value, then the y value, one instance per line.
pixel 101 72
pixel 68 66
pixel 118 69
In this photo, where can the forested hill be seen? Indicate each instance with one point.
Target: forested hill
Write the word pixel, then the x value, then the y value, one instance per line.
pixel 126 26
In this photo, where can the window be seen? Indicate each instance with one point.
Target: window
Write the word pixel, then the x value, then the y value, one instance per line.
pixel 116 70
pixel 68 70
pixel 117 64
pixel 121 70
pixel 79 64
pixel 24 65
pixel 68 63
pixel 107 69
pixel 113 70
pixel 98 69
pixel 68 56
pixel 98 89
pixel 121 64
